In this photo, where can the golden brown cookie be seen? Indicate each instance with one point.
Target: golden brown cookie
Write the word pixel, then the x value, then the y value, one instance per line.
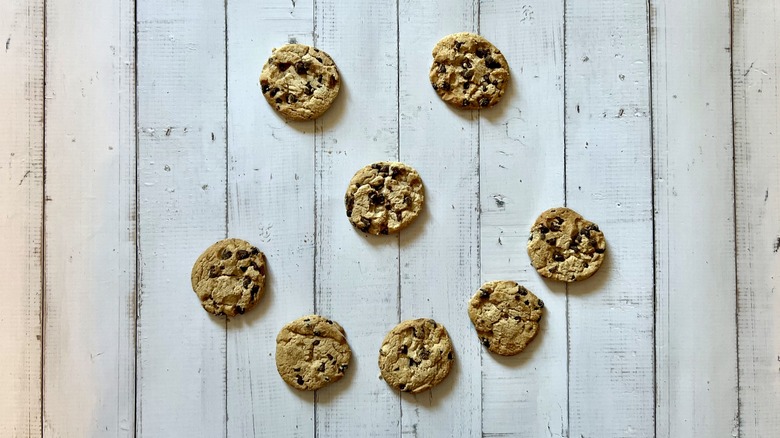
pixel 564 246
pixel 506 316
pixel 312 352
pixel 416 355
pixel 229 277
pixel 468 71
pixel 384 197
pixel 299 81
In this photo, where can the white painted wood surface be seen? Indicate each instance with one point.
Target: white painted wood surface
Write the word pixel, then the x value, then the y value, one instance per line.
pixel 756 71
pixel 622 111
pixel 694 201
pixel 89 304
pixel 21 215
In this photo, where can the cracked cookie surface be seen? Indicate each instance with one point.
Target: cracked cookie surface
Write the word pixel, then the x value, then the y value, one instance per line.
pixel 506 316
pixel 299 81
pixel 564 246
pixel 468 71
pixel 312 352
pixel 384 197
pixel 229 277
pixel 416 355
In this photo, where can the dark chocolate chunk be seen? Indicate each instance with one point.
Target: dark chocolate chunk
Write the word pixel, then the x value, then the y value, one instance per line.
pixel 486 342
pixel 484 101
pixel 301 68
pixel 403 349
pixel 425 354
pixel 265 88
pixel 241 254
pixel 558 257
pixel 239 310
pixel 484 294
pixel 449 355
pixel 492 63
pixel 442 68
pixel 458 44
pixel 247 282
pixel 253 292
pixel 540 303
pixel 466 102
pixel 283 66
pixel 468 74
pixel 466 63
pixel 332 81
pixel 401 386
pixel 273 91
pixel 445 86
pixel 316 342
pixel 480 52
pixel 299 379
pixel 599 251
pixel 321 368
pixel 291 98
pixel 376 198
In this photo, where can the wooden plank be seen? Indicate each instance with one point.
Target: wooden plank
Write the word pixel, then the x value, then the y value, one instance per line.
pixel 356 275
pixel 522 153
pixel 439 253
pixel 181 383
pixel 696 328
pixel 89 309
pixel 21 218
pixel 271 203
pixel 609 181
pixel 756 70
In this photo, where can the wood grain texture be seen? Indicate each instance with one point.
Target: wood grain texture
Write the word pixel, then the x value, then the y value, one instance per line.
pixel 695 323
pixel 521 175
pixel 357 275
pixel 89 309
pixel 609 181
pixel 182 171
pixel 756 71
pixel 271 204
pixel 21 215
pixel 439 253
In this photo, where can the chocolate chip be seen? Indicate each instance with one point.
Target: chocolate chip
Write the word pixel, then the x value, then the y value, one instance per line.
pixel 299 379
pixel 527 303
pixel 558 257
pixel 309 90
pixel 265 88
pixel 401 386
pixel 449 355
pixel 278 100
pixel 585 264
pixel 486 342
pixel 484 102
pixel 317 333
pixel 517 318
pixel 425 354
pixel 398 216
pixel 283 66
pixel 342 368
pixel 329 321
pixel 318 59
pixel 239 310
pixel 330 356
pixel 254 291
pixel 364 224
pixel 550 242
pixel 484 294
pixel 466 85
pixel 517 297
pixel 301 68
pixel 261 270
pixel 297 370
pixel 540 303
pixel 273 91
pixel 412 362
pixel 435 87
pixel 442 68
pixel 241 254
pixel 407 200
pixel 468 74
pixel 522 291
pixel 291 98
pixel 243 268
pixel 466 63
pixel 332 81
pixel 480 52
pixel 544 229
pixel 319 78
pixel 376 198
pixel 458 44
pixel 599 251
pixel 466 102
pixel 213 272
pixel 383 229
pixel 403 350
pixel 445 86
pixel 247 282
pixel 321 368
pixel 316 342
pixel 491 63
pixel 486 78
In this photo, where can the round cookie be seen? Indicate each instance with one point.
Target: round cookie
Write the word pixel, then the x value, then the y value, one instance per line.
pixel 468 71
pixel 300 81
pixel 312 352
pixel 229 277
pixel 506 316
pixel 384 197
pixel 416 355
pixel 564 246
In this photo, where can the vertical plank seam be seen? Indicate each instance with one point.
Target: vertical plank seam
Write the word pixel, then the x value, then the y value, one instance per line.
pixel 738 414
pixel 42 317
pixel 398 156
pixel 652 209
pixel 137 212
pixel 565 203
pixel 477 4
pixel 315 233
pixel 227 198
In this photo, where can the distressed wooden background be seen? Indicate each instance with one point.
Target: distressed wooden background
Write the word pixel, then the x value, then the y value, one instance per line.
pixel 134 134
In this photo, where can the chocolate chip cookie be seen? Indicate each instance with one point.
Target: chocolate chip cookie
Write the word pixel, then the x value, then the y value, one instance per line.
pixel 312 352
pixel 300 81
pixel 564 246
pixel 416 355
pixel 384 197
pixel 229 277
pixel 506 316
pixel 468 71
